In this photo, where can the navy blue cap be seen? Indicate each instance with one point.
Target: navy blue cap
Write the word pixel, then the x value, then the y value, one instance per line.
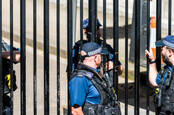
pixel 91 48
pixel 167 41
pixel 86 23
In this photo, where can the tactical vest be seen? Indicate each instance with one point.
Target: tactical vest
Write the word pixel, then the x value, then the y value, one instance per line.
pixel 165 97
pixel 108 104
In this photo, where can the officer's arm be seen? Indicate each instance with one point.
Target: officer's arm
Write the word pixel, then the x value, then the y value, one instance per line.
pixel 78 88
pixel 152 70
pixel 77 110
pixel 153 74
pixel 16 55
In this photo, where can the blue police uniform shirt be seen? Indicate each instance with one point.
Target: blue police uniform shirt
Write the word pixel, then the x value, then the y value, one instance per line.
pixel 83 91
pixel 158 79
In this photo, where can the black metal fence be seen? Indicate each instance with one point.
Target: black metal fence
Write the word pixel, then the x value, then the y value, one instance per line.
pixel 92 19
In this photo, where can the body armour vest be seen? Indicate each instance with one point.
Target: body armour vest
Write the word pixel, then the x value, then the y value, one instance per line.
pixel 108 104
pixel 166 102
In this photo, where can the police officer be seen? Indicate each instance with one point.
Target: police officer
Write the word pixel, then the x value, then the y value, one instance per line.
pixel 90 93
pixel 76 48
pixel 6 73
pixel 164 80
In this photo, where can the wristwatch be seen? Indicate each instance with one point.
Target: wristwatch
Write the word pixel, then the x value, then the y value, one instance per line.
pixel 151 62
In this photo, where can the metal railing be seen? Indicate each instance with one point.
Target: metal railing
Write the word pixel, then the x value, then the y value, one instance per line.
pixel 92 10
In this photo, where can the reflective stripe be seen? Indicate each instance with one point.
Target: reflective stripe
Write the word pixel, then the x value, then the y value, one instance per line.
pixel 168 44
pixel 94 52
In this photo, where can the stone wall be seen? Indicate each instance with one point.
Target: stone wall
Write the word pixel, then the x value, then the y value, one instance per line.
pixel 122 8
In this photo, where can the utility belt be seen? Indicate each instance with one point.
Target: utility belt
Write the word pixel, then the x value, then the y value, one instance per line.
pixel 6 105
pixel 98 109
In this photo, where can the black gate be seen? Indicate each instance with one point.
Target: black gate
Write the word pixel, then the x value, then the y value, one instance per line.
pixel 47 49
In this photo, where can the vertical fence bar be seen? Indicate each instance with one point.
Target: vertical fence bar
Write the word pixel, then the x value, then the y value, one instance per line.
pixel 46 57
pixel 74 20
pixel 115 41
pixel 58 57
pixel 104 23
pixel 92 18
pixel 69 39
pixel 137 55
pixel 35 56
pixel 81 24
pixel 23 56
pixel 158 33
pixel 104 57
pixel 126 57
pixel 170 17
pixel 11 54
pixel 81 20
pixel 148 44
pixel 1 78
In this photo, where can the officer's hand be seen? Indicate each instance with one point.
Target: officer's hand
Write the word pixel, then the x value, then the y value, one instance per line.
pixel 120 70
pixel 77 111
pixel 16 56
pixel 149 55
pixel 109 65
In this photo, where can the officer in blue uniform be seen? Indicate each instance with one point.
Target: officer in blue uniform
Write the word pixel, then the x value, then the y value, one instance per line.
pixel 164 80
pixel 76 48
pixel 90 93
pixel 7 76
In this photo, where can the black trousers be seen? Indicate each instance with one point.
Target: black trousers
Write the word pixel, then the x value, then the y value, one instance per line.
pixel 6 104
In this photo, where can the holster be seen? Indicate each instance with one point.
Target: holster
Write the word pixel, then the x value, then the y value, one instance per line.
pixel 8 83
pixel 101 110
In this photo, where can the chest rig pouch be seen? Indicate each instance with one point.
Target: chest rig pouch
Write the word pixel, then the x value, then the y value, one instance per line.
pixel 108 104
pixel 6 73
pixel 166 93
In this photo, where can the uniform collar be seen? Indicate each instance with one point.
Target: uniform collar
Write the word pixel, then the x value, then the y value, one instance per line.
pixel 83 66
pixel 94 69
